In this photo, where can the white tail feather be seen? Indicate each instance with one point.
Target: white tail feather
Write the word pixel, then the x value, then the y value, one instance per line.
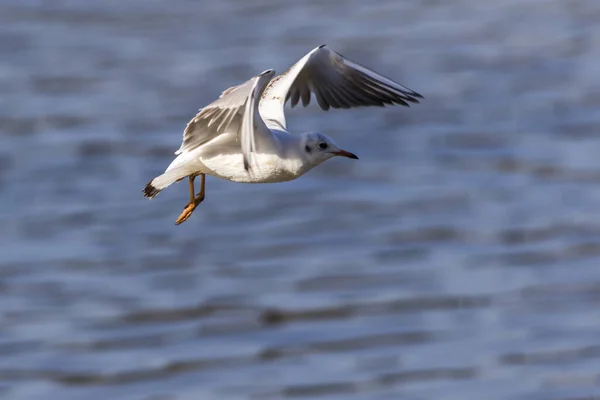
pixel 162 181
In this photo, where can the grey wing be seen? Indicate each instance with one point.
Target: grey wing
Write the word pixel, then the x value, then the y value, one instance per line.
pixel 217 117
pixel 336 82
pixel 236 110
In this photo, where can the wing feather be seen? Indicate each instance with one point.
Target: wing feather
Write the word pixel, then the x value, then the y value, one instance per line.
pixel 295 96
pixel 224 113
pixel 335 81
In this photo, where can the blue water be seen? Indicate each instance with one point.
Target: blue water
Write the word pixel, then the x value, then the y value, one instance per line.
pixel 457 259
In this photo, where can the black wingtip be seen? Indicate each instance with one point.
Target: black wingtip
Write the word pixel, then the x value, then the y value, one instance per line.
pixel 321 46
pixel 402 102
pixel 150 191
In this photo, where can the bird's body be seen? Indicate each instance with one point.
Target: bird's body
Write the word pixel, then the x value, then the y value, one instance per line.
pixel 243 137
pixel 267 168
pixel 272 162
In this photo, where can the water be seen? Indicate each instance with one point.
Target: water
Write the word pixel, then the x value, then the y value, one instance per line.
pixel 457 259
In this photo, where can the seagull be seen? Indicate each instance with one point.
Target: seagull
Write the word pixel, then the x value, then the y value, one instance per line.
pixel 243 136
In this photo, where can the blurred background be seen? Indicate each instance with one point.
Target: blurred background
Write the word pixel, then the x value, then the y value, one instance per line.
pixel 457 259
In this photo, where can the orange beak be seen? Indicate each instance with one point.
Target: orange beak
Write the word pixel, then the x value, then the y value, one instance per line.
pixel 344 153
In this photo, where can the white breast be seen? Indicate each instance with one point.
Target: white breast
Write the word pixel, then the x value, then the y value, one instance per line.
pixel 266 168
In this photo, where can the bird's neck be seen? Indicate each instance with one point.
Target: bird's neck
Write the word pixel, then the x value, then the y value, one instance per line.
pixel 291 152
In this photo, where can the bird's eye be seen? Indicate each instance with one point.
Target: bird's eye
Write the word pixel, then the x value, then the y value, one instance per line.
pixel 323 145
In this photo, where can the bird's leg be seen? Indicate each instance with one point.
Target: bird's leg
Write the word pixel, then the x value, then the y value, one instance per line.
pixel 194 200
pixel 198 199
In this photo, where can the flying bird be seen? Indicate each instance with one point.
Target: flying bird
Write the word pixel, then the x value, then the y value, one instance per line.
pixel 243 136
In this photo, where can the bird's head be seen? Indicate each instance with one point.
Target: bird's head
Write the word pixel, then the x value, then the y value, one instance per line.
pixel 318 147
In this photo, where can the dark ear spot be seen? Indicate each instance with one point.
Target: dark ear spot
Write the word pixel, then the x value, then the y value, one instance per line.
pixel 307 148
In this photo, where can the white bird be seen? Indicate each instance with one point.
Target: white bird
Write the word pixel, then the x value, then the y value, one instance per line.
pixel 243 136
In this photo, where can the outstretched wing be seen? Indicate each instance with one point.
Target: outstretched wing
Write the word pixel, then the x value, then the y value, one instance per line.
pixel 235 110
pixel 335 81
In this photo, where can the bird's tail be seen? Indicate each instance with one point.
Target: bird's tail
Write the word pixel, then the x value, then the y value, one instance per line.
pixel 162 181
